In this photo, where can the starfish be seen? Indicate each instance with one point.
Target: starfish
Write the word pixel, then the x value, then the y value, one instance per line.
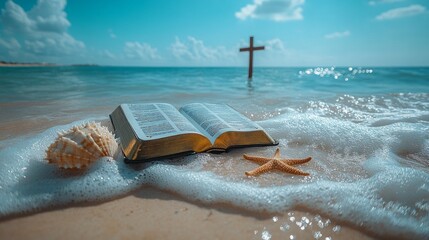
pixel 275 162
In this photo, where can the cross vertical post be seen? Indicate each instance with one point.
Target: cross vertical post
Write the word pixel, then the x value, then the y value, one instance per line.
pixel 251 58
pixel 250 49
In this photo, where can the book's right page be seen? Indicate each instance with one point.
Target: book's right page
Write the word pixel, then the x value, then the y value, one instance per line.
pixel 224 126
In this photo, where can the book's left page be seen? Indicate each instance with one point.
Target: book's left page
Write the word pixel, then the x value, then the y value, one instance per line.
pixel 154 130
pixel 156 120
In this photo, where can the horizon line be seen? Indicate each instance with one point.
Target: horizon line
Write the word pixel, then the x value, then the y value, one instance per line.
pixel 46 64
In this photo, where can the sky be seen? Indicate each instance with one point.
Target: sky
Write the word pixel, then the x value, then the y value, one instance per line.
pixel 210 32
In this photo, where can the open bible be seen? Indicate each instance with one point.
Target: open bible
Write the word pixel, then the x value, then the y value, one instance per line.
pixel 154 130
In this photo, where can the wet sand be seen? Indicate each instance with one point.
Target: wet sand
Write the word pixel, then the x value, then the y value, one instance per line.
pixel 152 214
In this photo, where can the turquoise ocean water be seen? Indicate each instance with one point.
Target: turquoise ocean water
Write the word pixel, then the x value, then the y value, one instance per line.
pixel 367 130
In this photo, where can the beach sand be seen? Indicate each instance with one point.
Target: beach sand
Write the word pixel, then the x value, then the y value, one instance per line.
pixel 151 214
pixel 148 213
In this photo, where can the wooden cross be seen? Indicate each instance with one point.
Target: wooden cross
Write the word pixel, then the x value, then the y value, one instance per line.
pixel 251 48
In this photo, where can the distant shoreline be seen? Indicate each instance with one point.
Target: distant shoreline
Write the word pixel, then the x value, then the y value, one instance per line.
pixel 18 64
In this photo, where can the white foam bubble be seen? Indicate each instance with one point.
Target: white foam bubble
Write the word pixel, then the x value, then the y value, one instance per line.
pixel 357 175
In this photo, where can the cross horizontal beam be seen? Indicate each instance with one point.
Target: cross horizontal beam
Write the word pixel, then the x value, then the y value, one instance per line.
pixel 252 49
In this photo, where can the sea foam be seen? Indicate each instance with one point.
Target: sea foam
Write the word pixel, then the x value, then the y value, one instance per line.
pixel 360 174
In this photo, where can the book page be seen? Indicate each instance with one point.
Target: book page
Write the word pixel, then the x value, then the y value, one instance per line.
pixel 214 119
pixel 235 120
pixel 157 120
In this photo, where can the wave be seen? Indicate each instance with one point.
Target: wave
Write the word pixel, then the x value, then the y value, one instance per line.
pixel 359 175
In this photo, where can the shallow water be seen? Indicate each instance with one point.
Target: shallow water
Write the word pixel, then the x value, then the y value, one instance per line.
pixel 366 129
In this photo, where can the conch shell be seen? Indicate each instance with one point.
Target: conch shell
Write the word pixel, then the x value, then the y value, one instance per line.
pixel 82 145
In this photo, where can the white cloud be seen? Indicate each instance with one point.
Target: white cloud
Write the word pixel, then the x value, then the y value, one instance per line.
pixel 10 45
pixel 9 48
pixel 49 16
pixel 276 10
pixel 107 54
pixel 402 12
pixel 275 44
pixel 279 53
pixel 375 2
pixel 42 30
pixel 180 50
pixel 194 51
pixel 337 35
pixel 275 52
pixel 14 18
pixel 111 33
pixel 142 51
